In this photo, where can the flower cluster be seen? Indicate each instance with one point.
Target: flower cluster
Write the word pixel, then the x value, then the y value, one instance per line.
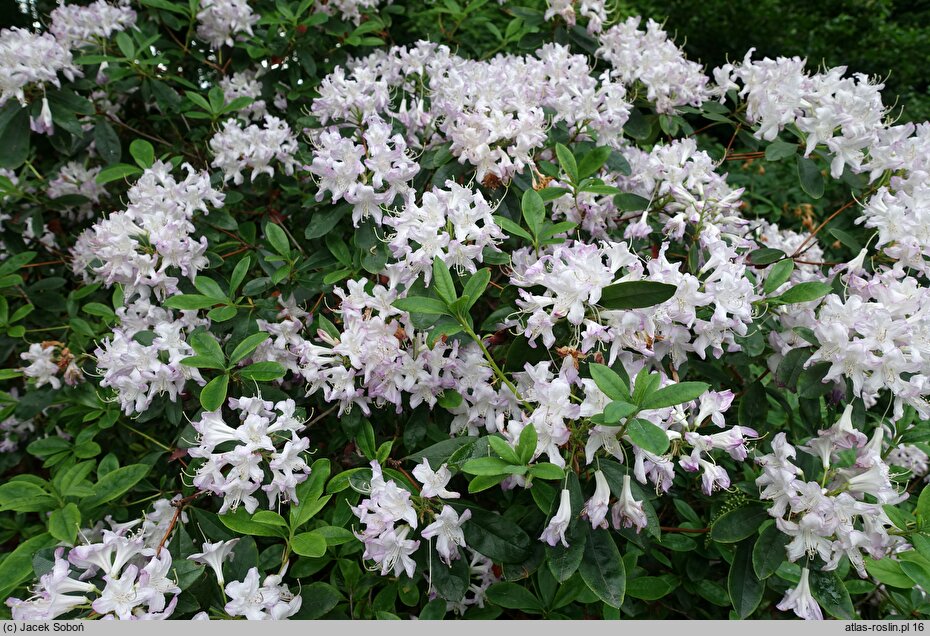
pixel 264 442
pixel 31 58
pixel 454 224
pixel 369 174
pixel 117 574
pixel 271 600
pixel 595 11
pixel 491 113
pixel 74 25
pixel 141 246
pixel 832 519
pixel 236 149
pixel 386 543
pixel 220 21
pixel 649 58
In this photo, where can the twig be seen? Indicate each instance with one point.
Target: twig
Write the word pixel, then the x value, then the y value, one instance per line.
pixel 58 262
pixel 320 416
pixel 801 248
pixel 179 506
pixel 732 139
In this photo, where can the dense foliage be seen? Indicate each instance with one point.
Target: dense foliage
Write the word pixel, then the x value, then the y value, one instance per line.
pixel 358 310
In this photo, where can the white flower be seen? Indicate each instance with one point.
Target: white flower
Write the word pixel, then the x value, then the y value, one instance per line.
pixel 392 551
pixel 434 483
pixel 213 554
pixel 596 507
pixel 447 528
pixel 245 599
pixel 801 600
pixel 628 512
pixel 120 595
pixel 555 531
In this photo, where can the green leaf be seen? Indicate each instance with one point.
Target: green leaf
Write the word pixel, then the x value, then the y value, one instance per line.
pixel 778 150
pixel 916 567
pixel 778 276
pixel 17 566
pixel 847 239
pixel 451 583
pixel 889 572
pixel 64 524
pixel 238 275
pixel 647 436
pixel 309 544
pixel 609 382
pixel 24 496
pixel 526 444
pixel 497 538
pixel 804 292
pixel 644 385
pixel 810 177
pixel 247 346
pixel 99 309
pixel 107 142
pixel 744 587
pixel 650 588
pixel 277 238
pixel 205 344
pixel 119 171
pixel 240 521
pixel 442 281
pixel 791 367
pixel 828 589
pixel 14 137
pixel 511 227
pixel 616 411
pixel 736 525
pixel 513 596
pixel 592 161
pixel 318 600
pixel 214 393
pixel 629 202
pixel 602 568
pixel 922 510
pixel 475 286
pixel 483 482
pixel 673 394
pixel 534 210
pixel 222 314
pixel 504 450
pixel 567 161
pixel 765 256
pixel 564 562
pixel 125 44
pixel 209 287
pixel 440 452
pixel 115 484
pixel 421 305
pixel 335 535
pixel 635 294
pixel 191 301
pixel 546 470
pixel 769 552
pixel 323 221
pixel 263 371
pixel 487 466
pixel 204 362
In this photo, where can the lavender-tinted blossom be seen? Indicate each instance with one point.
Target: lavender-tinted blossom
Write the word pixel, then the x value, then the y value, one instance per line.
pixel 555 532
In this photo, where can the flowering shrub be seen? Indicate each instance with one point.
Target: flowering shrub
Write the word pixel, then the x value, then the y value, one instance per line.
pixel 300 324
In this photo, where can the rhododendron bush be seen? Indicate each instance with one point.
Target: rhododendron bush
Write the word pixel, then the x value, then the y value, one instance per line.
pixel 353 309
